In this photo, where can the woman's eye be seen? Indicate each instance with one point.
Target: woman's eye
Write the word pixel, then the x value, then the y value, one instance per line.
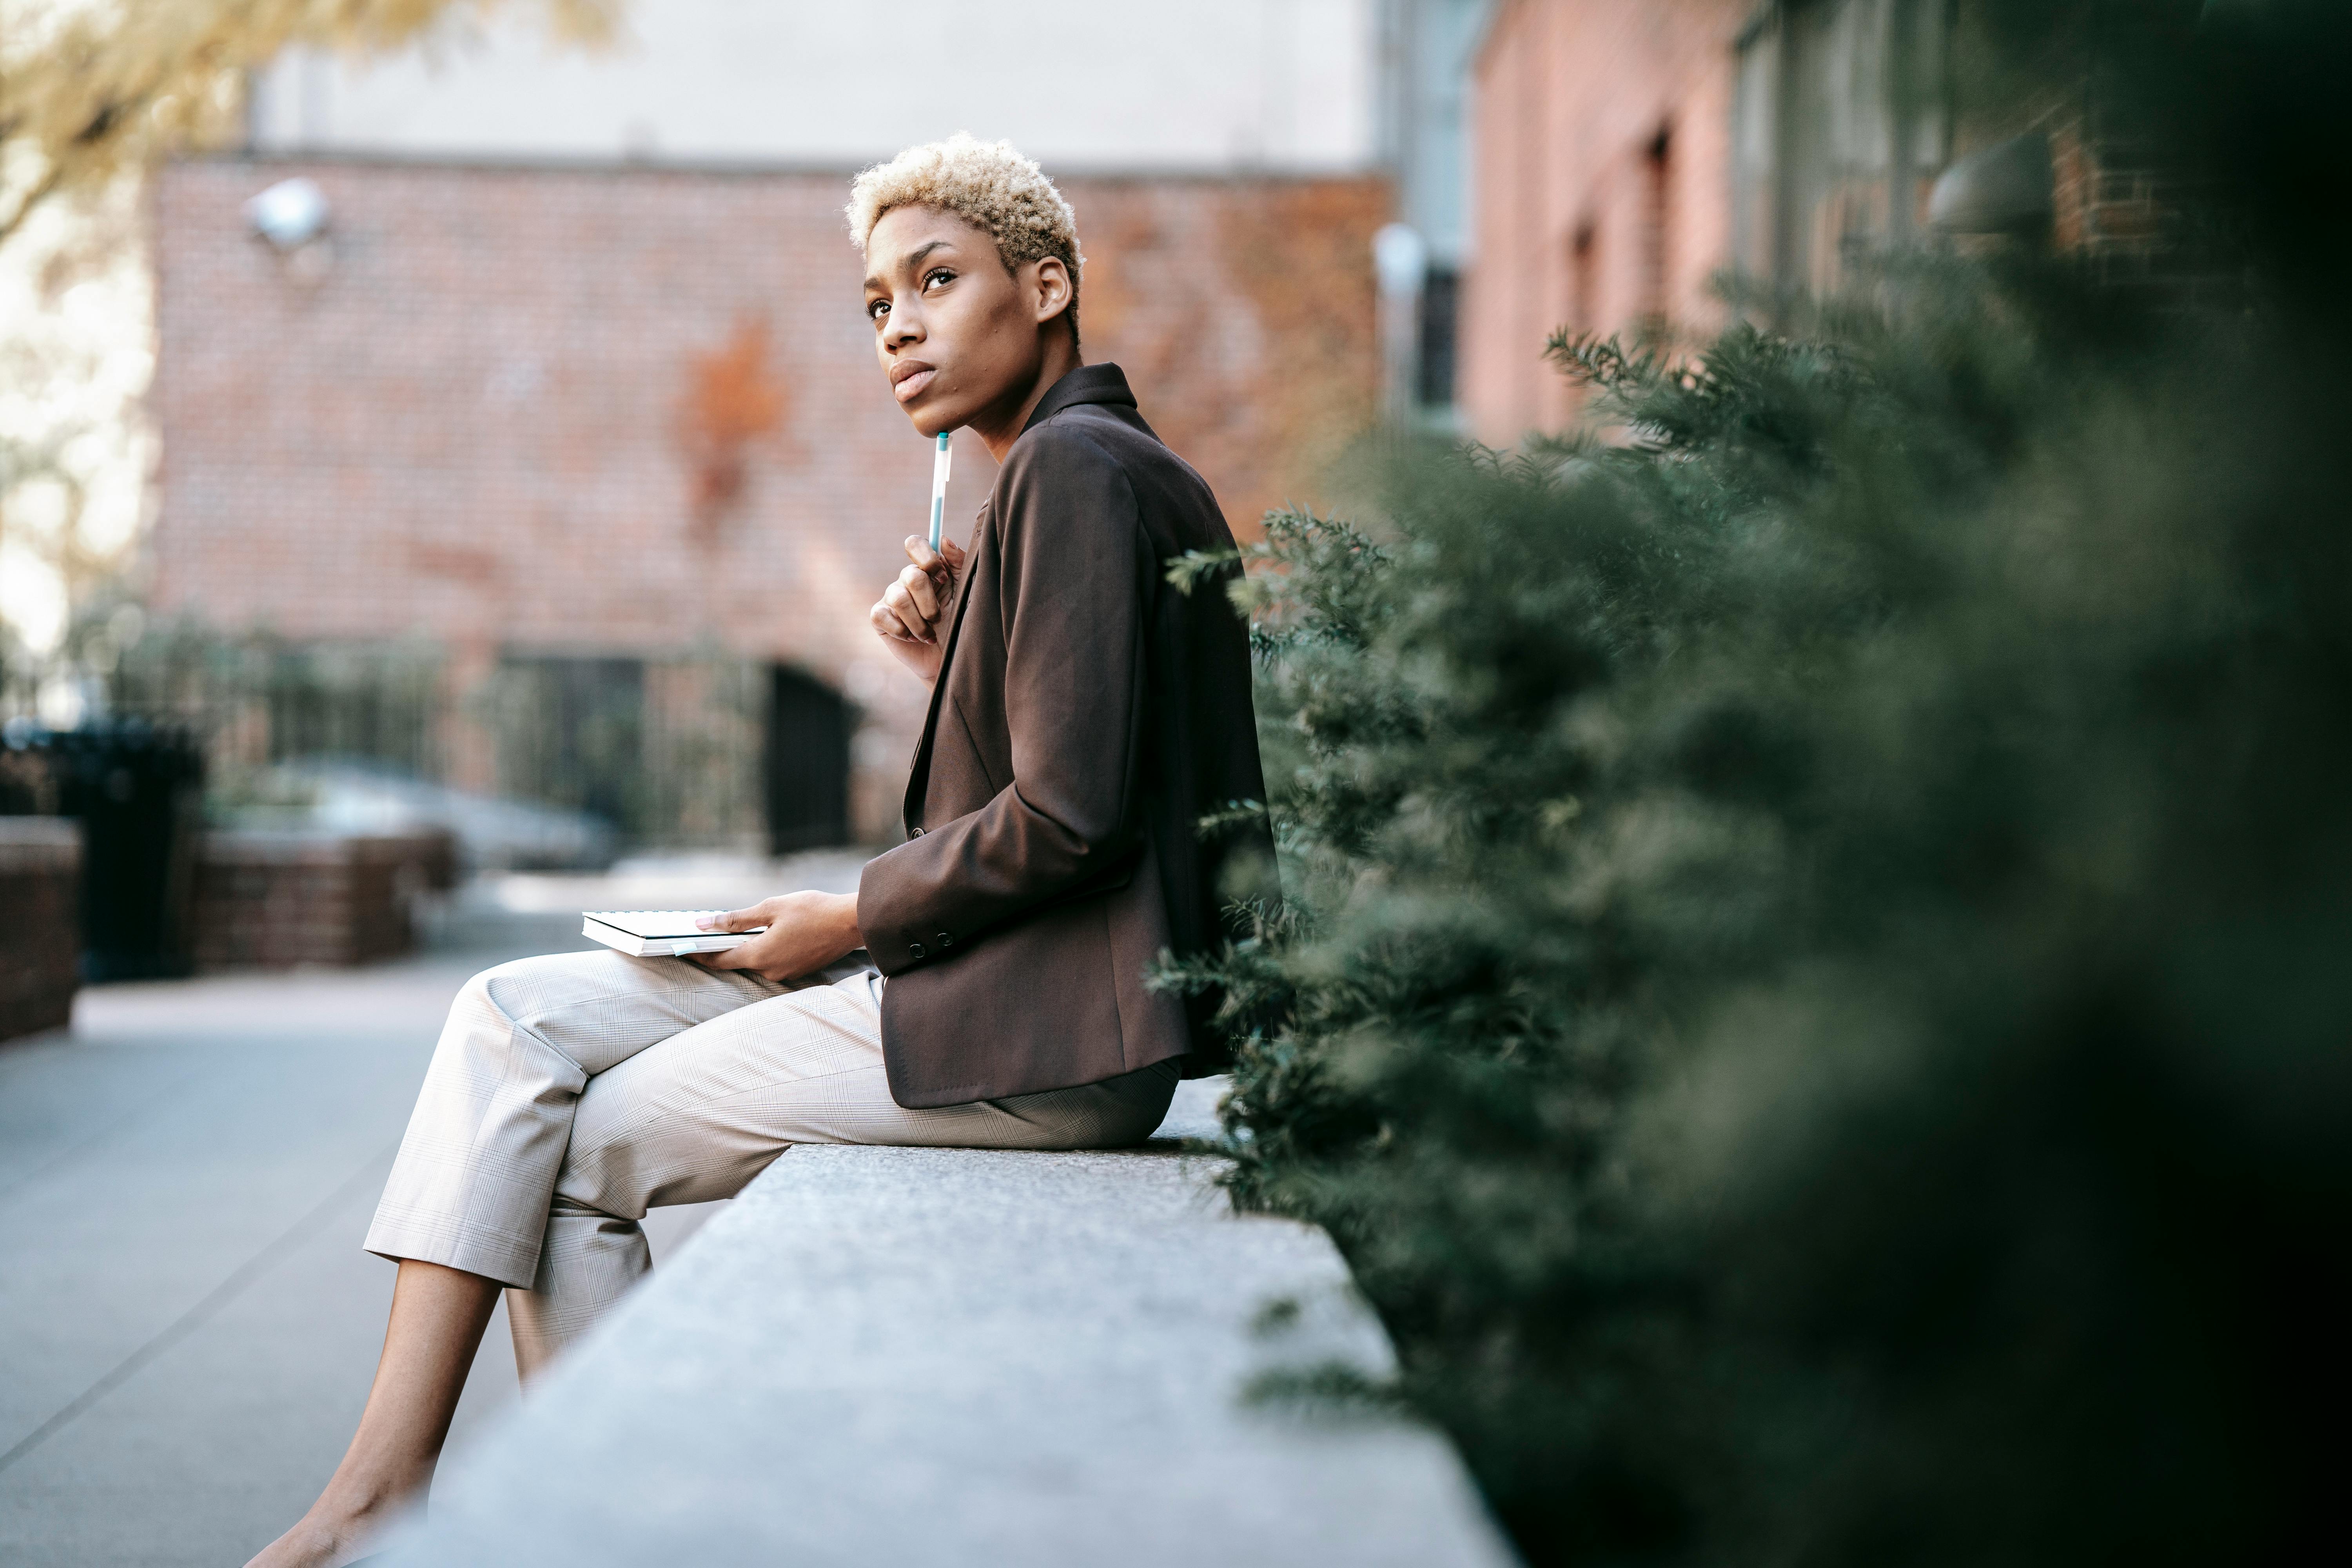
pixel 876 309
pixel 938 276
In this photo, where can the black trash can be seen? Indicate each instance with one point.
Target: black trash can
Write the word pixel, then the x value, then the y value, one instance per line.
pixel 28 781
pixel 138 789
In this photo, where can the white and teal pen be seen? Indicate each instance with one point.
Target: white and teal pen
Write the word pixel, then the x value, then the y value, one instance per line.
pixel 939 463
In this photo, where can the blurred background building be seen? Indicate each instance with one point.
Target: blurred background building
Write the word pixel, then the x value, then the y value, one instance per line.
pixel 518 433
pixel 542 433
pixel 1630 157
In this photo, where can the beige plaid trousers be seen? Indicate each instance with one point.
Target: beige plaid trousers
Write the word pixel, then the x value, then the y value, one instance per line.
pixel 571 1093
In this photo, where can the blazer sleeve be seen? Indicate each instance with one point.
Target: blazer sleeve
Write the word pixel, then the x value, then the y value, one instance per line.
pixel 1076 568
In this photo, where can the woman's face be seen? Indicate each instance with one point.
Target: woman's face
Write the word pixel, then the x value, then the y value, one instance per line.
pixel 955 332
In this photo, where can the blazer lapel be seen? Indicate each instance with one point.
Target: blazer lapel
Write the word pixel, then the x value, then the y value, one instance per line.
pixel 1103 384
pixel 919 777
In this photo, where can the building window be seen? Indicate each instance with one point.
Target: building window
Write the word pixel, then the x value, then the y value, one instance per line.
pixel 1440 304
pixel 1584 278
pixel 1657 215
pixel 1841 119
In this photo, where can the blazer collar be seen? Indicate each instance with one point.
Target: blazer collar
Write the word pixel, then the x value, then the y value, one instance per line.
pixel 1087 384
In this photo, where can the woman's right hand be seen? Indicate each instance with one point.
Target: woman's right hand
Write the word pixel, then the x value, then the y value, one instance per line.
pixel 909 618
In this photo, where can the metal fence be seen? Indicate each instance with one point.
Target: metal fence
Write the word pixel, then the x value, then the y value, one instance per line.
pixel 672 750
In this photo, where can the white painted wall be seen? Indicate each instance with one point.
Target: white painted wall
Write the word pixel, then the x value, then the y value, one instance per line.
pixel 1211 85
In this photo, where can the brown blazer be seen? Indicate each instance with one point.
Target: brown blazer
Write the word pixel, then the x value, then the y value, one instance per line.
pixel 1087 714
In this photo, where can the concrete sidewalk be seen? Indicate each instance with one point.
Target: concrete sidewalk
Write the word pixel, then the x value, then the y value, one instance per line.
pixel 187 1323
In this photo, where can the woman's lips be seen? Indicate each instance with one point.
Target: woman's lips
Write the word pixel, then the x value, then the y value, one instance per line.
pixel 911 386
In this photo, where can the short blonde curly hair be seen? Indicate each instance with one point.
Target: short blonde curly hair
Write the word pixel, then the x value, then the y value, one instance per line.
pixel 989 185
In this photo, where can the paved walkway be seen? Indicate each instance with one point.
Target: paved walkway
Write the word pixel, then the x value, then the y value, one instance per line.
pixel 187 1323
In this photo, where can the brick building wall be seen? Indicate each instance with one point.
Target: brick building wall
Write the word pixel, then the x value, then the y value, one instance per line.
pixel 1626 152
pixel 281 900
pixel 1601 140
pixel 41 930
pixel 634 411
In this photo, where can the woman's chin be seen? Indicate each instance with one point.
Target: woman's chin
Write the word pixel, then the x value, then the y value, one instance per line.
pixel 932 416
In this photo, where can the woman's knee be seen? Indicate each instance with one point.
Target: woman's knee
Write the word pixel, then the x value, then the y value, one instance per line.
pixel 503 987
pixel 501 1012
pixel 522 991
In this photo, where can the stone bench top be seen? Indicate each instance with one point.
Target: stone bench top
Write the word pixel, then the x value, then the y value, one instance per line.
pixel 891 1356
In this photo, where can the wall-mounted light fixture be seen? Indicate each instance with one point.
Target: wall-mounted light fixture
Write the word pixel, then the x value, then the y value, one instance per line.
pixel 292 216
pixel 289 214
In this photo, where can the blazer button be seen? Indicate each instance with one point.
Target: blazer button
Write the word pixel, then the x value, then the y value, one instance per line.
pixel 914 950
pixel 946 942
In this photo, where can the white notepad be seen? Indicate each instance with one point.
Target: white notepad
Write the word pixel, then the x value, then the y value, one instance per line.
pixel 659 934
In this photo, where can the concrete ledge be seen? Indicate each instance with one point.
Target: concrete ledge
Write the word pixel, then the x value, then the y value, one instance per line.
pixel 892 1356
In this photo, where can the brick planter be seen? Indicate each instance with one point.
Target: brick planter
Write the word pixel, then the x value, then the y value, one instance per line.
pixel 276 899
pixel 40 935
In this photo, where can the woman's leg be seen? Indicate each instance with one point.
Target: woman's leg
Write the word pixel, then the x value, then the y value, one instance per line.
pixel 468 1200
pixel 437 1317
pixel 476 1168
pixel 697 1117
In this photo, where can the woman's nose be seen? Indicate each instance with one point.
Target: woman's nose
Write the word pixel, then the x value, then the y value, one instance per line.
pixel 902 327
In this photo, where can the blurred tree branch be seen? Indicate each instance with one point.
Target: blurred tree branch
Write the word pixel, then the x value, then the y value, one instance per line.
pixel 89 86
pixel 76 320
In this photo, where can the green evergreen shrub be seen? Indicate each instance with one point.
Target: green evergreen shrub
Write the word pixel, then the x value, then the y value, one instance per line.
pixel 1813 981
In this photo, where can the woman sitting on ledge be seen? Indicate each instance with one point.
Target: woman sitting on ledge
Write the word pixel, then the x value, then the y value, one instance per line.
pixel 984 986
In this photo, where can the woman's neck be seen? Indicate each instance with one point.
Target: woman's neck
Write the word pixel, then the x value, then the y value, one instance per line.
pixel 997 431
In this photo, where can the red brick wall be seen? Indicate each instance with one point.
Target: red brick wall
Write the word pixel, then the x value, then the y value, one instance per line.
pixel 1571 97
pixel 40 934
pixel 275 900
pixel 468 425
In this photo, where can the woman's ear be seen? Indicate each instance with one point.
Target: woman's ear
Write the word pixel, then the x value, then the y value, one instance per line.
pixel 1053 292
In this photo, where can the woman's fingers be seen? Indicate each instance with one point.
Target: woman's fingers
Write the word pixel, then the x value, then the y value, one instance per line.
pixel 909 609
pixel 742 955
pixel 922 590
pixel 886 622
pixel 899 606
pixel 927 580
pixel 757 953
pixel 941 565
pixel 913 603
